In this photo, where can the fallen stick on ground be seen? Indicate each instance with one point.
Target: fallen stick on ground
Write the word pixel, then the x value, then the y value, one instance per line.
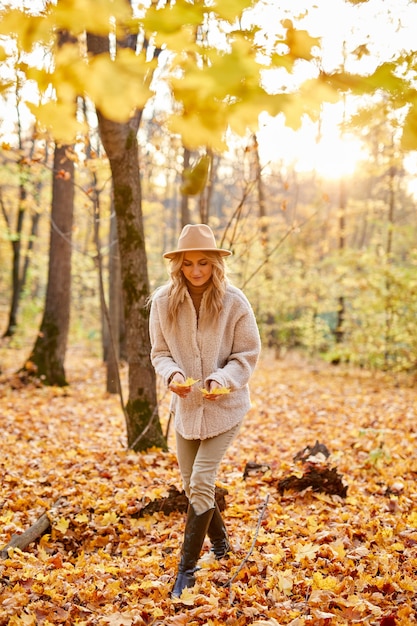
pixel 245 560
pixel 31 534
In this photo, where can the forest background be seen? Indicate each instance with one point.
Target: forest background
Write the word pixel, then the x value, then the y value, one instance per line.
pixel 329 263
pixel 119 125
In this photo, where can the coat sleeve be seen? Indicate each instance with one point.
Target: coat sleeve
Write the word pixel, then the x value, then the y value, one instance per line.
pixel 244 356
pixel 161 357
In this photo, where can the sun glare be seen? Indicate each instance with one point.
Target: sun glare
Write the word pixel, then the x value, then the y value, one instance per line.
pixel 333 157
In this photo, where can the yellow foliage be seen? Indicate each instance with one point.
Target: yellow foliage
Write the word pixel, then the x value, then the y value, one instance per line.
pixel 187 383
pixel 27 30
pixel 62 525
pixel 217 391
pixel 299 42
pixel 195 177
pixel 412 519
pixel 285 581
pixel 59 119
pixel 93 16
pixel 199 130
pixel 178 40
pixel 325 582
pixel 231 10
pixel 312 555
pixel 129 75
pixel 107 519
pixel 409 136
pixel 102 79
pixel 306 551
pixel 171 18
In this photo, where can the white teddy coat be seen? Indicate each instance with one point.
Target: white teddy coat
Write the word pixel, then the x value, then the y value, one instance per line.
pixel 225 351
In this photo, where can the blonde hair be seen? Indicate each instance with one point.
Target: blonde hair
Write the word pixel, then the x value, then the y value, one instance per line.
pixel 215 290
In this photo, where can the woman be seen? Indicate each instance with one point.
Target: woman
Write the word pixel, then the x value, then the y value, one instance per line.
pixel 202 328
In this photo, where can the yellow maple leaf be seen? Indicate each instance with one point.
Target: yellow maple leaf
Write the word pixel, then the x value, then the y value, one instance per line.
pixel 338 549
pixel 306 551
pixel 62 525
pixel 198 130
pixel 147 584
pixel 59 119
pixel 312 523
pixel 398 546
pixel 300 42
pixel 324 582
pixel 285 581
pixel 119 619
pixel 108 518
pixel 128 74
pixel 92 15
pixel 188 597
pixel 217 391
pixel 232 9
pixel 412 519
pixel 172 18
pixel 188 382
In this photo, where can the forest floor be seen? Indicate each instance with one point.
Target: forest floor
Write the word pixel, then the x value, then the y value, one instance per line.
pixel 299 557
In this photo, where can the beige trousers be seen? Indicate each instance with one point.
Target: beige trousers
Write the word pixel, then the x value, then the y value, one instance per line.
pixel 199 460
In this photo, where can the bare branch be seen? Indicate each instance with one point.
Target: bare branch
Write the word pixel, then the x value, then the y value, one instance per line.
pixel 245 560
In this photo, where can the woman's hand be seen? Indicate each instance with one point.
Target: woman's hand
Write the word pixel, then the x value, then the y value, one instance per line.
pixel 177 385
pixel 210 395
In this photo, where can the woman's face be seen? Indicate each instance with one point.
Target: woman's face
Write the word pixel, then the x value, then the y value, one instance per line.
pixel 197 268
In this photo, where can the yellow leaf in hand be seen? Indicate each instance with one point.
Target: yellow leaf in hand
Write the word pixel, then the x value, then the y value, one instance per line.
pixel 188 383
pixel 217 391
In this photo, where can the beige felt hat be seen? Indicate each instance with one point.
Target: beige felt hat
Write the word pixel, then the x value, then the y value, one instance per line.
pixel 198 237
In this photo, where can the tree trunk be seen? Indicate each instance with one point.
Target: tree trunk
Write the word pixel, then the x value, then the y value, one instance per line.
pixel 47 359
pixel 185 200
pixel 113 349
pixel 206 195
pixel 121 145
pixel 17 253
pixel 341 309
pixel 262 208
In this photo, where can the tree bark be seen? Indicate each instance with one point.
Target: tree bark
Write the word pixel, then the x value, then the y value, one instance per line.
pixel 17 249
pixel 185 201
pixel 341 309
pixel 113 349
pixel 46 361
pixel 121 145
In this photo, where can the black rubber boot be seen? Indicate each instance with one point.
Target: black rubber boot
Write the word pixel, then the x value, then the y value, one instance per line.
pixel 218 535
pixel 195 531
